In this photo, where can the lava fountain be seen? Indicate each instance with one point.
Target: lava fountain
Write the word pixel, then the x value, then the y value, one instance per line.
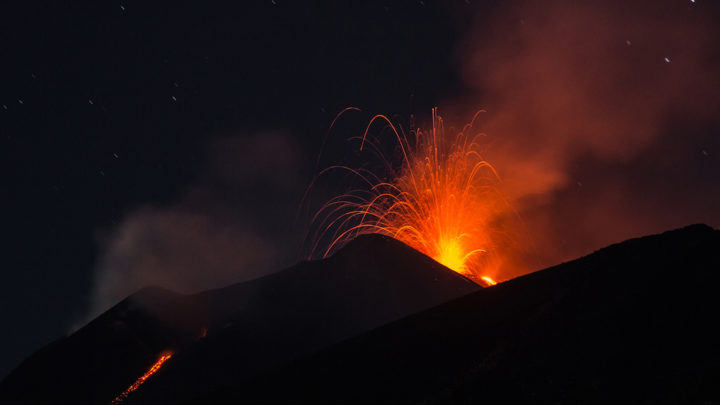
pixel 441 197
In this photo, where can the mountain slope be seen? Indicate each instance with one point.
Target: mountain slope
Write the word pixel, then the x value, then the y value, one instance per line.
pixel 106 355
pixel 234 332
pixel 634 322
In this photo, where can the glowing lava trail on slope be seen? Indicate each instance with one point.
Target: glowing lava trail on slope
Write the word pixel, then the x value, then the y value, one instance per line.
pixel 443 199
pixel 153 369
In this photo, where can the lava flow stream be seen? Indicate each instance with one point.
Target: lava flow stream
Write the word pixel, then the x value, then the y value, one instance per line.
pixel 155 367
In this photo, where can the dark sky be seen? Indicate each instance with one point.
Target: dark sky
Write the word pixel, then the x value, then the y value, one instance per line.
pixel 170 143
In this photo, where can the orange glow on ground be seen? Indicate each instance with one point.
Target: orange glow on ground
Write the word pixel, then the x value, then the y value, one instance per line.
pixel 443 200
pixel 153 369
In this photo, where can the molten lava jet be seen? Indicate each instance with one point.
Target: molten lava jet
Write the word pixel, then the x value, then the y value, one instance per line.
pixel 442 199
pixel 153 369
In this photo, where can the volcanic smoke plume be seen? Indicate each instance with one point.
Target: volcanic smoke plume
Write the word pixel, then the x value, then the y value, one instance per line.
pixel 596 117
pixel 216 233
pixel 600 117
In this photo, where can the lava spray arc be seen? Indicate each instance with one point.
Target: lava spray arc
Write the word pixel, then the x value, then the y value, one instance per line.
pixel 439 196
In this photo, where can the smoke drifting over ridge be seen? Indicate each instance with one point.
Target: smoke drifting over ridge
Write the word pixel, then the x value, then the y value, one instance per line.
pixel 602 117
pixel 229 226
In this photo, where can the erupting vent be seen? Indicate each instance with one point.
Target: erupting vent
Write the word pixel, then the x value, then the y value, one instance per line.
pixel 442 199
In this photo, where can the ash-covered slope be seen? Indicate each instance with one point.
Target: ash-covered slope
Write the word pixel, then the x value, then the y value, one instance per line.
pixel 632 323
pixel 233 333
pixel 106 355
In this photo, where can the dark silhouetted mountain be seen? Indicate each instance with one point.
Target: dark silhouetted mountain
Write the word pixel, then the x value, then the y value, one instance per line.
pixel 227 335
pixel 632 323
pixel 107 355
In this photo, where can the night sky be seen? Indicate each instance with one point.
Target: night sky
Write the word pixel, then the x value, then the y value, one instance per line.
pixel 172 143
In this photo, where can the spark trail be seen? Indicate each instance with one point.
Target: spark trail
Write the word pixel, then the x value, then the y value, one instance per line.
pixel 442 199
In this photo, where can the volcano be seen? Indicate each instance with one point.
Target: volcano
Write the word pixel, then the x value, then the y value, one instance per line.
pixel 380 322
pixel 631 323
pixel 233 333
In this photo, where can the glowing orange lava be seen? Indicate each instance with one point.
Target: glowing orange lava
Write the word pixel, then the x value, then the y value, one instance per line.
pixel 155 367
pixel 443 199
pixel 488 280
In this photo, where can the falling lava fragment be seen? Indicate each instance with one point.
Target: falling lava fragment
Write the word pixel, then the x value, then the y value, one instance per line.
pixel 153 369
